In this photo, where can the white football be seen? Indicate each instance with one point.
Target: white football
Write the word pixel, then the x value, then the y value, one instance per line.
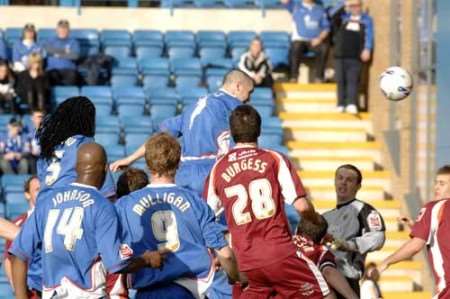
pixel 396 83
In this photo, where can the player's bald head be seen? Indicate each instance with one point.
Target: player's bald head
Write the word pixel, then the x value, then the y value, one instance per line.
pixel 91 164
pixel 239 84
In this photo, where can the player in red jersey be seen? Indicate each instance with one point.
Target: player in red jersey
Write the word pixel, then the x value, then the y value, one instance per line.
pixel 309 239
pixel 250 185
pixel 431 229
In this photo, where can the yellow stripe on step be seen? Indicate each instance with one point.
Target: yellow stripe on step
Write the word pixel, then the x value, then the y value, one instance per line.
pixel 334 145
pixel 323 116
pixel 326 174
pixel 304 87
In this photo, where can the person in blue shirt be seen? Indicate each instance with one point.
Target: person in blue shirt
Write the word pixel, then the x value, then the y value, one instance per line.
pixel 60 135
pixel 309 35
pixel 62 55
pixel 77 232
pixel 14 148
pixel 203 131
pixel 163 216
pixel 353 44
pixel 24 47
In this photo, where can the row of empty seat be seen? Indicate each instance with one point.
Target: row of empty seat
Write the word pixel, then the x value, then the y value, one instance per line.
pixel 222 3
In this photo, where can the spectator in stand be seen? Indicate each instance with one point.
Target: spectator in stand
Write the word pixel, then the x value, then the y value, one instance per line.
pixel 310 32
pixel 353 43
pixel 14 147
pixel 62 54
pixel 33 86
pixel 257 65
pixel 3 50
pixel 130 180
pixel 26 46
pixel 31 190
pixel 7 93
pixel 35 149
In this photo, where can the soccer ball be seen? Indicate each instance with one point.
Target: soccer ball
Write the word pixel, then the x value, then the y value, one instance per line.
pixel 396 83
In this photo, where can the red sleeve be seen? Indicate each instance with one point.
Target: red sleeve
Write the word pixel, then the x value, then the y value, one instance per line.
pixel 116 286
pixel 18 221
pixel 291 185
pixel 326 259
pixel 421 228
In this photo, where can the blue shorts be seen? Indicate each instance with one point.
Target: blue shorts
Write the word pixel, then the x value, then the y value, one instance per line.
pixel 166 291
pixel 192 174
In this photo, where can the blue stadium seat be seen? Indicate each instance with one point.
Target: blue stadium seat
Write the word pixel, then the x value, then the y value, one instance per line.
pixel 97 94
pixel 281 38
pixel 190 95
pixel 237 3
pixel 177 36
pixel 118 52
pixel 209 38
pixel 279 57
pixel 124 80
pixel 115 152
pixel 125 66
pixel 102 110
pixel 129 95
pixel 187 81
pixel 115 38
pixel 6 291
pixel 268 3
pixel 137 124
pixel 224 64
pixel 190 66
pixel 130 110
pixel 4 119
pixel 145 52
pixel 107 139
pixel 240 38
pixel 44 34
pixel 141 37
pixel 135 139
pixel 161 109
pixel 107 124
pixel 164 93
pixel 15 197
pixel 263 93
pixel 264 109
pixel 65 91
pixel 208 3
pixel 88 39
pixel 13 34
pixel 180 52
pixel 214 82
pixel 269 140
pixel 174 3
pixel 272 125
pixel 154 66
pixel 237 52
pixel 155 81
pixel 15 209
pixel 212 53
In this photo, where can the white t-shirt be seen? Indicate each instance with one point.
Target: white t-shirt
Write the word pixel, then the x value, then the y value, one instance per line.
pixel 369 290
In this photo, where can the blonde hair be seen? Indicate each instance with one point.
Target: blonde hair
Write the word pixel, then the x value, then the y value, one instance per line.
pixel 36 58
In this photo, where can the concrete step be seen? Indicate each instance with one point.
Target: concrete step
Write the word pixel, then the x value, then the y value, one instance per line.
pixel 305 134
pixel 344 153
pixel 295 91
pixel 412 269
pixel 305 105
pixel 366 164
pixel 397 284
pixel 377 204
pixel 326 120
pixel 407 295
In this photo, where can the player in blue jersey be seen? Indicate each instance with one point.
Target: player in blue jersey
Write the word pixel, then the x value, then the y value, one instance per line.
pixel 79 232
pixel 165 216
pixel 203 129
pixel 60 136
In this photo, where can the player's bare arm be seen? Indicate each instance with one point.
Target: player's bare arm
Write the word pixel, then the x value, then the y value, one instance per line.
pixel 408 250
pixel 338 282
pixel 19 273
pixel 303 205
pixel 8 230
pixel 152 259
pixel 117 165
pixel 228 262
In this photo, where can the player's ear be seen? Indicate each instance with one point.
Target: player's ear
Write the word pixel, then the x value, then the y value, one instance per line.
pixel 27 196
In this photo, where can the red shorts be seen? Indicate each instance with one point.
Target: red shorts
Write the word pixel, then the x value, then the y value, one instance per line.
pixel 444 294
pixel 294 277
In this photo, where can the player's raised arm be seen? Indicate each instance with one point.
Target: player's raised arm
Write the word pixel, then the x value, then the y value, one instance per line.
pixel 8 230
pixel 117 165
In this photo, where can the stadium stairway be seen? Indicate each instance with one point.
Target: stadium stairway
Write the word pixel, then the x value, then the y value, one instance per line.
pixel 320 139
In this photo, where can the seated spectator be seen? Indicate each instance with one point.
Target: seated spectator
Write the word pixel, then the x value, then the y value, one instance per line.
pixel 256 64
pixel 35 149
pixel 353 43
pixel 3 50
pixel 31 190
pixel 33 87
pixel 310 32
pixel 7 93
pixel 23 48
pixel 62 54
pixel 130 180
pixel 15 148
pixel 369 285
pixel 309 239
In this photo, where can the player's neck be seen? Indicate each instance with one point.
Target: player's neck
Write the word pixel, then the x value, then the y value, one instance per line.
pixel 246 144
pixel 89 181
pixel 161 180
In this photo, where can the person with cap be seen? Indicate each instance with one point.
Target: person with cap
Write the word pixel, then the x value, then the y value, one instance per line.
pixel 353 44
pixel 14 147
pixel 62 55
pixel 24 47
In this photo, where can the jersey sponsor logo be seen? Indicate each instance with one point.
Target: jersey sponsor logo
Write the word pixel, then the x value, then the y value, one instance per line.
pixel 125 252
pixel 420 215
pixel 307 289
pixel 374 221
pixel 232 157
pixel 70 141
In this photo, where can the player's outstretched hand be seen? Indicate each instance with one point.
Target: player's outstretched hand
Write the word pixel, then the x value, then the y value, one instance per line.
pixel 119 164
pixel 154 259
pixel 382 267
